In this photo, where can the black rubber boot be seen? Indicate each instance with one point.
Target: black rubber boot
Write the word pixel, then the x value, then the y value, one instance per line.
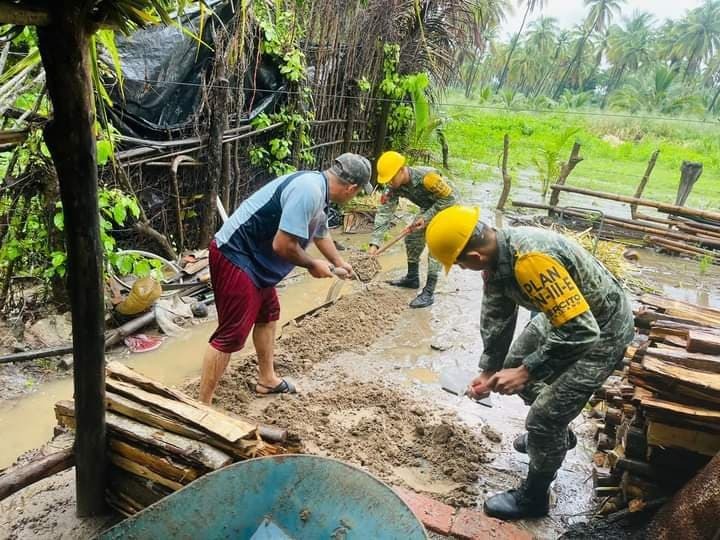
pixel 427 295
pixel 520 442
pixel 411 280
pixel 530 500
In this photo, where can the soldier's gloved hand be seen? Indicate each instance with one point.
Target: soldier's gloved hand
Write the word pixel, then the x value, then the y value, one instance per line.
pixel 478 387
pixel 509 381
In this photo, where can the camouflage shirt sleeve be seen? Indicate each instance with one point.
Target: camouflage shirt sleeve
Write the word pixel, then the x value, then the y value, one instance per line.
pixel 383 217
pixel 497 326
pixel 564 344
pixel 440 204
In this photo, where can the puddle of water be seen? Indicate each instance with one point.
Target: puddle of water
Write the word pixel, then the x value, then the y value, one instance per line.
pixel 422 375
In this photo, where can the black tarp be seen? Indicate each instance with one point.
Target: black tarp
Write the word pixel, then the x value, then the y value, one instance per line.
pixel 163 70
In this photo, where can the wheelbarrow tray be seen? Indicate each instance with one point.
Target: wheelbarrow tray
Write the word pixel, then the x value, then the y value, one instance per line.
pixel 303 496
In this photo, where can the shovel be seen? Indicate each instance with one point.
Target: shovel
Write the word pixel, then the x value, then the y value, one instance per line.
pixel 455 381
pixel 391 243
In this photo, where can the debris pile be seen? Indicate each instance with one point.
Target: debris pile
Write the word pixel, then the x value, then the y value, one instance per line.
pixel 160 439
pixel 660 416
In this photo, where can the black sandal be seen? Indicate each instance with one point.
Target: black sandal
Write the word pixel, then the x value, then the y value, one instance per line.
pixel 284 387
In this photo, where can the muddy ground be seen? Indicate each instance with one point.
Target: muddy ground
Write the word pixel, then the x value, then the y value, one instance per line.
pixel 368 370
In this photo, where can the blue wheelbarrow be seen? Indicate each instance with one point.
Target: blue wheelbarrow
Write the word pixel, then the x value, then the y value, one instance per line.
pixel 290 497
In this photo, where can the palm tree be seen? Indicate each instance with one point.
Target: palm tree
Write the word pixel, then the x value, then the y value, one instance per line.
pixel 485 17
pixel 598 20
pixel 629 47
pixel 542 35
pixel 658 91
pixel 699 36
pixel 530 6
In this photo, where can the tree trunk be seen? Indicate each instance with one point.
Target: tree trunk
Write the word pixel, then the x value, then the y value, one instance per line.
pixel 64 47
pixel 218 119
pixel 644 181
pixel 575 59
pixel 690 171
pixel 507 180
pixel 380 134
pixel 565 171
pixel 711 108
pixel 503 75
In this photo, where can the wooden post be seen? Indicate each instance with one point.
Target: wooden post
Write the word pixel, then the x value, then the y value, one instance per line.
pixel 507 180
pixel 64 47
pixel 644 181
pixel 219 94
pixel 380 134
pixel 690 171
pixel 565 171
pixel 351 106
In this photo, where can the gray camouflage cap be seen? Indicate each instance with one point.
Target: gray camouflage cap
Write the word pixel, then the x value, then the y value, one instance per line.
pixel 355 169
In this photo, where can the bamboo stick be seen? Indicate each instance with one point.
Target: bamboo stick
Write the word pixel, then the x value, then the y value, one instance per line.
pixel 662 207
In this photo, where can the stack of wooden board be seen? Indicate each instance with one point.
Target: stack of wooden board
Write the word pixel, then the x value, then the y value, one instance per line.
pixel 160 439
pixel 660 416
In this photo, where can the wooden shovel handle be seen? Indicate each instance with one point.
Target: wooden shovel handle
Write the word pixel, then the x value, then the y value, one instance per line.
pixel 403 234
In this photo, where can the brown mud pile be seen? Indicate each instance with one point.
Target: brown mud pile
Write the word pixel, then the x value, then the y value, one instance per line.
pixel 351 324
pixel 387 432
pixel 365 266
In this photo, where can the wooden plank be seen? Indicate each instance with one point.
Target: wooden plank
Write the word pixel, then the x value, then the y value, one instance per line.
pixel 680 308
pixel 116 370
pixel 162 465
pixel 703 342
pixel 133 491
pixel 142 471
pixel 655 407
pixel 666 436
pixel 698 361
pixel 214 422
pixel 243 449
pixel 180 447
pixel 691 377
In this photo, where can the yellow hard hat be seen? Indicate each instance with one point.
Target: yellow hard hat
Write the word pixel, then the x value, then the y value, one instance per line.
pixel 388 165
pixel 448 233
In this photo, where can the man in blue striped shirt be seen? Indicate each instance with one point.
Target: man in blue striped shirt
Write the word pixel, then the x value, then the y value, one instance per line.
pixel 257 247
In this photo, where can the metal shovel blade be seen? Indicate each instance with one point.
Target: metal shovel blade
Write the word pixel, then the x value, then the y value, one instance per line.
pixel 455 381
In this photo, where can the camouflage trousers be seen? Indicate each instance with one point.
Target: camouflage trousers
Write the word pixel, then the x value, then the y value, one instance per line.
pixel 555 402
pixel 414 246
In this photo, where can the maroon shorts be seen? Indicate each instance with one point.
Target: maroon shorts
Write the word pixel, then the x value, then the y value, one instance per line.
pixel 240 304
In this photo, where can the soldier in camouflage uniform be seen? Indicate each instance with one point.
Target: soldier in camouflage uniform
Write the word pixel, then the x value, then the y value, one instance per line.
pixel 563 355
pixel 425 187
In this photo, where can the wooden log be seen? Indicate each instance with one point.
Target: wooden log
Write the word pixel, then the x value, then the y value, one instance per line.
pixel 65 46
pixel 682 247
pixel 16 478
pixel 696 231
pixel 636 466
pixel 703 342
pixel 565 171
pixel 219 425
pixel 613 416
pixel 662 207
pixel 186 450
pixel 635 443
pixel 605 442
pixel 142 471
pixel 690 171
pixel 644 181
pixel 161 465
pixel 507 180
pixel 667 436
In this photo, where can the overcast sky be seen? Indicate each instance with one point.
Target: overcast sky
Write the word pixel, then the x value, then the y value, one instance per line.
pixel 571 12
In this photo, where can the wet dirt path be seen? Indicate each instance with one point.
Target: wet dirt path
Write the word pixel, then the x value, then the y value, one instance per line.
pixel 380 405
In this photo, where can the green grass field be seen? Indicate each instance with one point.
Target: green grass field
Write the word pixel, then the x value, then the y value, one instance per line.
pixel 615 150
